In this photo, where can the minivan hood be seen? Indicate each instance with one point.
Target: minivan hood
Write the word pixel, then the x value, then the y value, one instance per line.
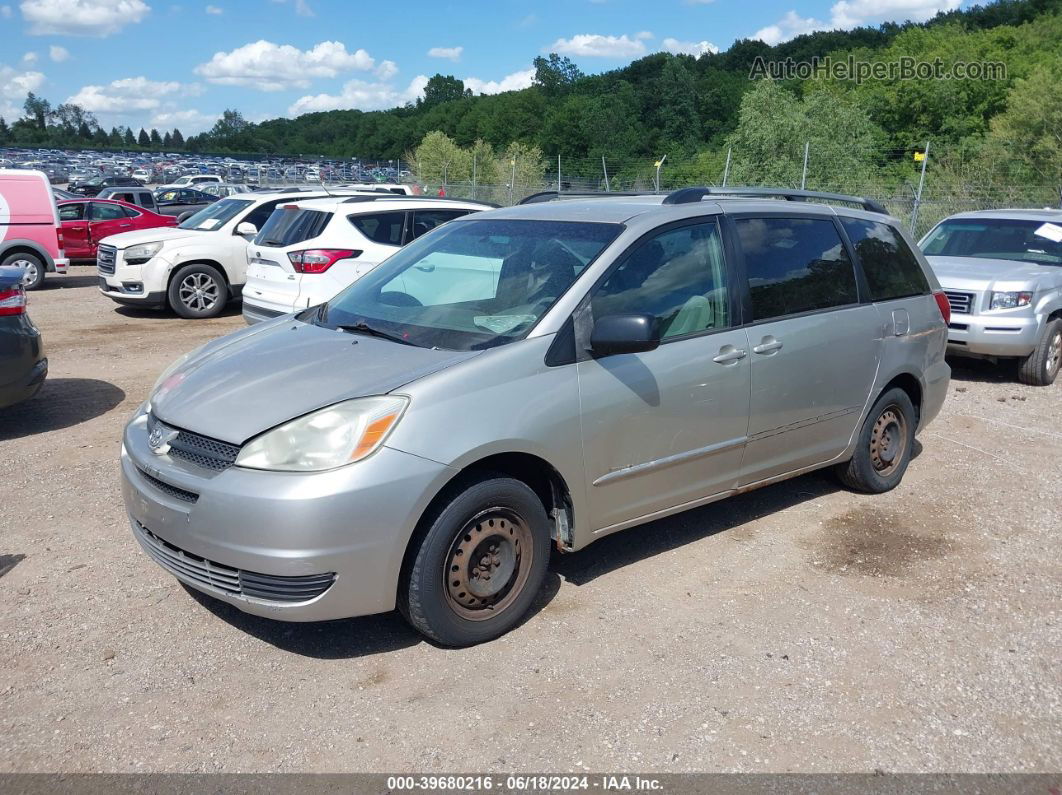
pixel 163 233
pixel 973 273
pixel 238 386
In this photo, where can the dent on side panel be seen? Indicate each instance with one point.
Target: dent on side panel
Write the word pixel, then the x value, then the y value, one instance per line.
pixel 505 400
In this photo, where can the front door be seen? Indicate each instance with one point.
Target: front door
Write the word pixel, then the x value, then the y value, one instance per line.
pixel 75 230
pixel 814 348
pixel 106 219
pixel 667 427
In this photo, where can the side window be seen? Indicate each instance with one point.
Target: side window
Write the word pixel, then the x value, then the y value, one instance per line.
pixel 72 212
pixel 259 215
pixel 795 265
pixel 130 212
pixel 383 228
pixel 169 196
pixel 426 220
pixel 99 211
pixel 678 276
pixel 891 269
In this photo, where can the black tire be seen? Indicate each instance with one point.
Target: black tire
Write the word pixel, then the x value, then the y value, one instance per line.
pixel 1041 366
pixel 883 449
pixel 34 265
pixel 478 524
pixel 197 291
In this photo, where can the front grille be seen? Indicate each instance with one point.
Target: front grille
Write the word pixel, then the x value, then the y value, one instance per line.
pixel 105 259
pixel 230 580
pixel 960 302
pixel 202 451
pixel 166 488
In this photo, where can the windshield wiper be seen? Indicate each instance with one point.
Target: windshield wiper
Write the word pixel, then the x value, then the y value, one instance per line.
pixel 361 327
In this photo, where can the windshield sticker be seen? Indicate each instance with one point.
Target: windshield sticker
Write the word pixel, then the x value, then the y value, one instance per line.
pixel 209 223
pixel 500 324
pixel 1052 232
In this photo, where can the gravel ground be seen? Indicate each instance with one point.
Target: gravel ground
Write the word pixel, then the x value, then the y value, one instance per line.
pixel 797 628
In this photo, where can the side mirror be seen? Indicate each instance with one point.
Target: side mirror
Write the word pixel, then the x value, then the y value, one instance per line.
pixel 246 229
pixel 615 334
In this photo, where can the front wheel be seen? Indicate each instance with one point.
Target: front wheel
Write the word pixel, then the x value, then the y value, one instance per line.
pixel 1041 366
pixel 479 565
pixel 884 447
pixel 198 291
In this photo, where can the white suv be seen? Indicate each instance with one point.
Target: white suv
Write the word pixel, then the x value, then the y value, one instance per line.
pixel 194 268
pixel 193 181
pixel 309 251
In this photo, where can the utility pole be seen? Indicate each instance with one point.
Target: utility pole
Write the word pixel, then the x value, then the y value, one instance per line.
pixel 726 169
pixel 558 173
pixel 918 196
pixel 605 169
pixel 804 176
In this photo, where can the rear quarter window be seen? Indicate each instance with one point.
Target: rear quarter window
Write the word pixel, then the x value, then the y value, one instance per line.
pixel 287 226
pixel 891 269
pixel 385 228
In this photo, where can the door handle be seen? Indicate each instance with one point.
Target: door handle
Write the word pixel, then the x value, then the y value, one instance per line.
pixel 729 356
pixel 124 226
pixel 768 346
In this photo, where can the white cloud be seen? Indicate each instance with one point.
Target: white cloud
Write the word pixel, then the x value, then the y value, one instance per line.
pixel 513 82
pixel 189 122
pixel 274 67
pixel 128 94
pixel 694 48
pixel 302 7
pixel 847 14
pixel 216 11
pixel 450 53
pixel 14 85
pixel 29 58
pixel 82 17
pixel 593 45
pixel 362 95
pixel 386 70
pixel 58 54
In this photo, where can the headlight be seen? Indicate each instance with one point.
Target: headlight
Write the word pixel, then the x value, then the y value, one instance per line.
pixel 1010 300
pixel 326 439
pixel 138 255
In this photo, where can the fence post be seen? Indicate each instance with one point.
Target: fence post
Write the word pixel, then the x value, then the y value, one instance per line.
pixel 512 182
pixel 918 196
pixel 605 169
pixel 558 173
pixel 726 170
pixel 804 176
pixel 473 175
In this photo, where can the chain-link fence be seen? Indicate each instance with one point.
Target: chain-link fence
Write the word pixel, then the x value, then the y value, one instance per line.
pixel 952 181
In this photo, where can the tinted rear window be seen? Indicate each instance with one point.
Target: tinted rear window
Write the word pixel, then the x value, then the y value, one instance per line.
pixel 891 269
pixel 795 265
pixel 287 226
pixel 383 228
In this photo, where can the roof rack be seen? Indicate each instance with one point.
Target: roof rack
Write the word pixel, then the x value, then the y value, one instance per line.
pixel 372 197
pixel 553 195
pixel 691 195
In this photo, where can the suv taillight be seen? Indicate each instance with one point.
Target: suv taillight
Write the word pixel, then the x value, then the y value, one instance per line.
pixel 13 302
pixel 318 260
pixel 943 306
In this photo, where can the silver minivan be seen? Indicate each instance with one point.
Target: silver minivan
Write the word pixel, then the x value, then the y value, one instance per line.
pixel 534 377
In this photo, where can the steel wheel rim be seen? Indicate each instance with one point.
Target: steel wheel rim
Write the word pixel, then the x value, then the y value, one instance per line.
pixel 488 564
pixel 888 440
pixel 198 291
pixel 1054 354
pixel 30 276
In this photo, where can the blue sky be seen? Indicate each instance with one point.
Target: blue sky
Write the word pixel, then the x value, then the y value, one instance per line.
pixel 163 64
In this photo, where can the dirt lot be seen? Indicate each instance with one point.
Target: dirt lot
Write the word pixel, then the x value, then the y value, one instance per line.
pixel 799 628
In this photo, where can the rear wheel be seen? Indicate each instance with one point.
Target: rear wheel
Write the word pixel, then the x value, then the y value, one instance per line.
pixel 479 565
pixel 883 450
pixel 1041 366
pixel 198 291
pixel 34 268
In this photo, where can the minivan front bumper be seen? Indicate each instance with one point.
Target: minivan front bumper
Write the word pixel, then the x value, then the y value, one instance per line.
pixel 237 533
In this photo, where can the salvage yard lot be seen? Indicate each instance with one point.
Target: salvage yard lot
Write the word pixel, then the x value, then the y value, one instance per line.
pixel 800 627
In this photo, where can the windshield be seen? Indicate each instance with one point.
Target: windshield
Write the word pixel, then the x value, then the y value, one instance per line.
pixel 216 215
pixel 471 284
pixel 997 238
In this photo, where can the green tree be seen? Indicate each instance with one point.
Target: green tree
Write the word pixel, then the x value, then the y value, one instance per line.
pixel 555 75
pixel 167 141
pixel 38 110
pixel 1029 132
pixel 128 140
pixel 143 140
pixel 437 159
pixel 155 138
pixel 178 139
pixel 441 88
pixel 5 132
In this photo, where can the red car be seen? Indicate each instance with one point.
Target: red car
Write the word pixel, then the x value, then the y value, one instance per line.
pixel 87 221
